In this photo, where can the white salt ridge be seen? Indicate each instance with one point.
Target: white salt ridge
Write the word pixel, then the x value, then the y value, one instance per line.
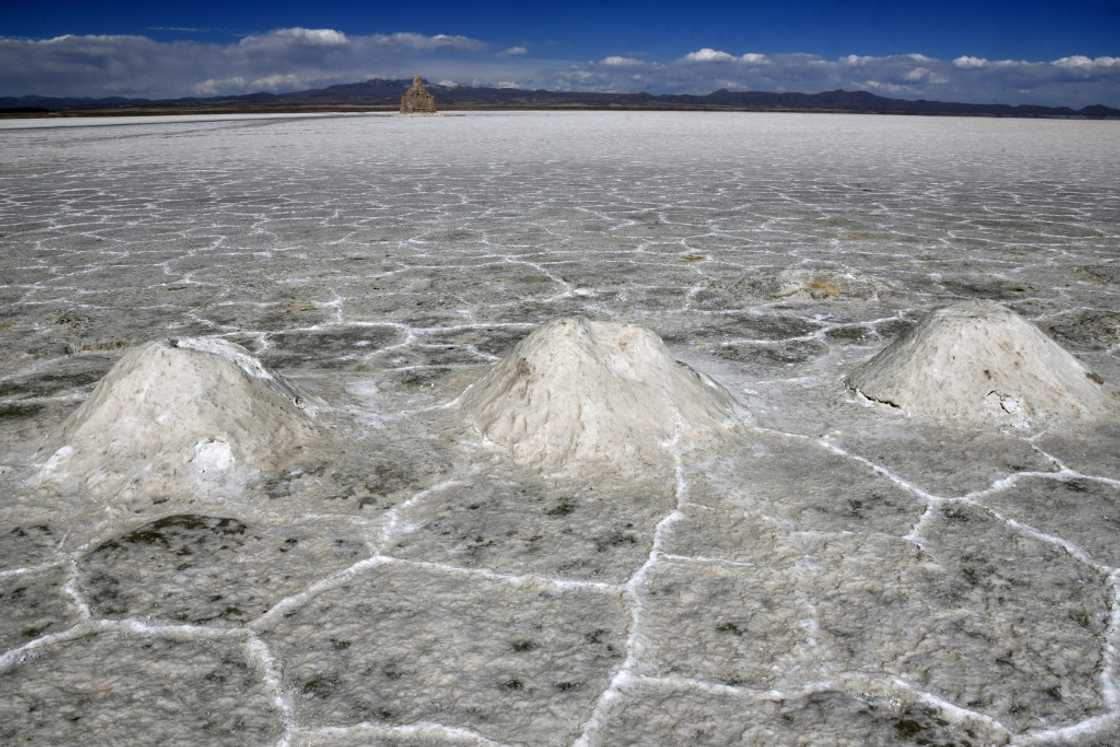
pixel 195 414
pixel 225 349
pixel 437 732
pixel 979 363
pixel 269 672
pixel 625 675
pixel 576 393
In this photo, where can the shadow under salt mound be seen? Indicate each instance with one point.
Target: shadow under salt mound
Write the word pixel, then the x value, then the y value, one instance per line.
pixel 197 569
pixel 579 530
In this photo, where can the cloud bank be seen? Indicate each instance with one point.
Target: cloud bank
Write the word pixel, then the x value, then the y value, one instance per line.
pixel 294 58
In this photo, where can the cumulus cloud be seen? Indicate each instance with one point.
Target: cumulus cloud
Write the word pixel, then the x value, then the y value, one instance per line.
pixel 278 60
pixel 422 42
pixel 312 37
pixel 617 61
pixel 298 57
pixel 237 84
pixel 965 62
pixel 707 54
pixel 887 88
pixel 1081 62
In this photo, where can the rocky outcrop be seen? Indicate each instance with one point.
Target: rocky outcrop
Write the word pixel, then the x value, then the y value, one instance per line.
pixel 578 394
pixel 977 362
pixel 417 99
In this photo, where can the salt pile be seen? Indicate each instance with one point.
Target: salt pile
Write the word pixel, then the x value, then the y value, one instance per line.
pixel 200 413
pixel 819 285
pixel 577 393
pixel 806 285
pixel 980 363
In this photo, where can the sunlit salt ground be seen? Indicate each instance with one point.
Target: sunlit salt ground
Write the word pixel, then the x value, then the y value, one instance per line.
pixel 840 574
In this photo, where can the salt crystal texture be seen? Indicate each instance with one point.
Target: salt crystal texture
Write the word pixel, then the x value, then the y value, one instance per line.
pixel 201 414
pixel 980 363
pixel 578 393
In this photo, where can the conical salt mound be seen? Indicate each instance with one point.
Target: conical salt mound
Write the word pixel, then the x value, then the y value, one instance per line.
pixel 577 393
pixel 199 413
pixel 978 362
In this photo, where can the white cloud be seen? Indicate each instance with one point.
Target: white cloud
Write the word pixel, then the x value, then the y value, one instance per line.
pixel 886 87
pixel 965 62
pixel 448 84
pixel 1076 61
pixel 213 87
pixel 278 60
pixel 278 82
pixel 313 37
pixel 90 38
pixel 515 51
pixel 409 40
pixel 506 84
pixel 454 41
pixel 296 58
pixel 617 61
pixel 707 54
pixel 1081 62
pixel 237 84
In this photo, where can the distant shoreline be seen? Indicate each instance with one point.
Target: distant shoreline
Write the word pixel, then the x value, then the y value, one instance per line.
pixel 157 111
pixel 384 95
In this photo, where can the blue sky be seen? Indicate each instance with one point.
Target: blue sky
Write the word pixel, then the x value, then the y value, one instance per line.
pixel 1015 52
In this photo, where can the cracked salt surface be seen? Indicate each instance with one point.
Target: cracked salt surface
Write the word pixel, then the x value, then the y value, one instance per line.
pixel 834 573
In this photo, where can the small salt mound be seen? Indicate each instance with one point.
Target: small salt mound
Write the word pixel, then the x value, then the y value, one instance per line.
pixel 809 285
pixel 195 413
pixel 822 285
pixel 577 392
pixel 978 362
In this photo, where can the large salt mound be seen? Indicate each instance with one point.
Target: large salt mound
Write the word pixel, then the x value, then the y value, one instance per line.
pixel 577 393
pixel 194 413
pixel 978 362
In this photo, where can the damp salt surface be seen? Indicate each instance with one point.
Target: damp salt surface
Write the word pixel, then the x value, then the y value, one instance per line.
pixel 836 570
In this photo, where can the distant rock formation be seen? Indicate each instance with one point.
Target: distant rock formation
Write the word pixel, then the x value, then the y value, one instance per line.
pixel 194 414
pixel 979 363
pixel 417 100
pixel 577 394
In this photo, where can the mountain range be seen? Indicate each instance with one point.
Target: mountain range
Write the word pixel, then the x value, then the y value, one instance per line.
pixel 380 94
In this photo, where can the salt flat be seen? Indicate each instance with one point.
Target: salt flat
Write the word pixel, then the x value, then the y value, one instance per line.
pixel 836 573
